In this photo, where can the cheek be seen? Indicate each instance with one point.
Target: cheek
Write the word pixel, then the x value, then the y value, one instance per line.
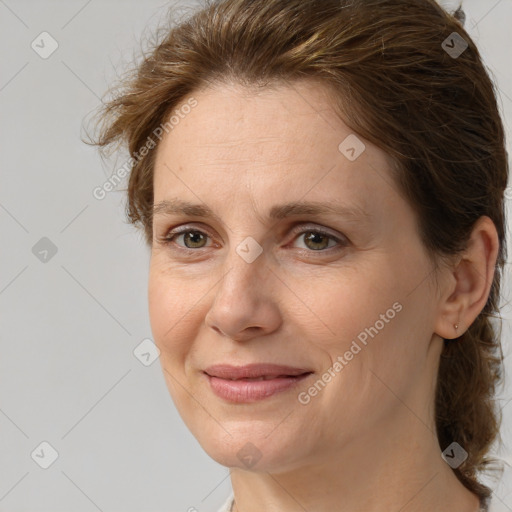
pixel 160 304
pixel 171 309
pixel 347 305
pixel 366 317
pixel 382 335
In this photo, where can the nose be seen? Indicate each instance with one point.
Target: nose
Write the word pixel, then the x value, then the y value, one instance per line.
pixel 245 303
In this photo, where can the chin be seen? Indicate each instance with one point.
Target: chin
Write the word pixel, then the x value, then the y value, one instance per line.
pixel 249 451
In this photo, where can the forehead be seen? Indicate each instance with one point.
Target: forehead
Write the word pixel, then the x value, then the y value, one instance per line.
pixel 281 140
pixel 233 120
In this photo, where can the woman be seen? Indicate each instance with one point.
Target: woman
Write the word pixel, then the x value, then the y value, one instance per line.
pixel 321 184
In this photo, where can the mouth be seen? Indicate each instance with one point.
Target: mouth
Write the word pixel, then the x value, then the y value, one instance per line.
pixel 250 383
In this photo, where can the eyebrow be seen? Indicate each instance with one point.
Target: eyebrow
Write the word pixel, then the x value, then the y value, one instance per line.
pixel 281 211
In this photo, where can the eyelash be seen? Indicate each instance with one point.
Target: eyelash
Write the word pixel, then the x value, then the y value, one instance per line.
pixel 341 242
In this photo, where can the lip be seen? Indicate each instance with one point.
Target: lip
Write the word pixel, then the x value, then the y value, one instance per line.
pixel 230 382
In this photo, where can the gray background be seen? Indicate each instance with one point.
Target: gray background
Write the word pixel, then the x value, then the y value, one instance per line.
pixel 70 324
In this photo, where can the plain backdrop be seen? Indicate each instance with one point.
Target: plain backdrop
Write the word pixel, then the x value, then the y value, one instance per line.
pixel 73 276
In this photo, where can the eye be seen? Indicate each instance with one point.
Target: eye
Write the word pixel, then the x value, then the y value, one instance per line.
pixel 318 241
pixel 192 238
pixel 315 240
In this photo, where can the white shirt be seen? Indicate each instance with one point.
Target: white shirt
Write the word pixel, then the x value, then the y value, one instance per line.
pixel 226 507
pixel 494 505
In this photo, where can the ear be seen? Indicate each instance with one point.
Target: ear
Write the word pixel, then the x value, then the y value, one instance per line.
pixel 468 283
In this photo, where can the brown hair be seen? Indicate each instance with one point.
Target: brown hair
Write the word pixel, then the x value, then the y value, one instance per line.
pixel 396 84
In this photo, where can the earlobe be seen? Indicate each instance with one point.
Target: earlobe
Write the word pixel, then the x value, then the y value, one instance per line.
pixel 447 328
pixel 470 281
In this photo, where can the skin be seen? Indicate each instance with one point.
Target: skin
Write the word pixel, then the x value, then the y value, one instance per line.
pixel 366 441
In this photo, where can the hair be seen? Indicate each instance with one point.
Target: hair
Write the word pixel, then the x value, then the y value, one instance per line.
pixel 395 84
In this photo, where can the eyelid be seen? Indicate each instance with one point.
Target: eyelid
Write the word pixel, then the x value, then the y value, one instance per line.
pixel 301 228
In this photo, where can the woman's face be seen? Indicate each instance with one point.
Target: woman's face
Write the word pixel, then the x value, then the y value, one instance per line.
pixel 342 295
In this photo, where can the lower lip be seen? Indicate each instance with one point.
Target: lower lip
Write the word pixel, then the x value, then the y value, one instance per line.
pixel 251 391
